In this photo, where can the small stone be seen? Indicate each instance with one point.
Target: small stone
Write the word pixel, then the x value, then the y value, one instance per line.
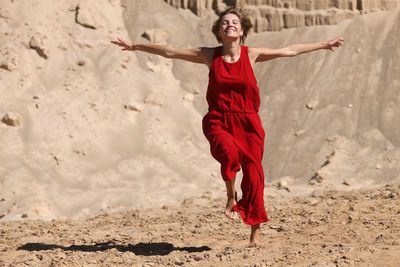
pixel 81 63
pixel 156 35
pixel 37 44
pixel 312 104
pixel 134 107
pixel 284 183
pixel 299 133
pixel 154 99
pixel 178 261
pixel 148 264
pixel 349 219
pixel 198 258
pixel 10 63
pixel 317 193
pixel 330 202
pixel 346 182
pixel 12 119
pixel 388 194
pixel 85 17
pixel 313 201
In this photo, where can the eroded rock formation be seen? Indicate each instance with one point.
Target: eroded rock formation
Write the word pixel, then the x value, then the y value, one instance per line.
pixel 274 15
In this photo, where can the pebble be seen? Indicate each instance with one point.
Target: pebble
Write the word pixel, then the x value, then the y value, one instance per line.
pixel 156 35
pixel 312 201
pixel 12 119
pixel 178 261
pixel 312 104
pixel 198 258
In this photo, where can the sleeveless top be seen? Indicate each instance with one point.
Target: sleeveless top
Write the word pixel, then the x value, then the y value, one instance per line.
pixel 232 87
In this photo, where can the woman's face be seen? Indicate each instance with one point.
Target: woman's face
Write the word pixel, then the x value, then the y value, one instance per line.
pixel 230 27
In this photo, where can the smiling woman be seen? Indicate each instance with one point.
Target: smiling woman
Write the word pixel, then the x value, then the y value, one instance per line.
pixel 232 125
pixel 234 18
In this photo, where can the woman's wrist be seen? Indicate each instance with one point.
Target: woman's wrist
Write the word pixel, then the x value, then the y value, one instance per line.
pixel 134 46
pixel 325 45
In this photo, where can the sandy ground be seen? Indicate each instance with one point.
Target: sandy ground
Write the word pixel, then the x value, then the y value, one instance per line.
pixel 95 128
pixel 325 228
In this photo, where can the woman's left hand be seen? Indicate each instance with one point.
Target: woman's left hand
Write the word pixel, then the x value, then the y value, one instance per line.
pixel 334 43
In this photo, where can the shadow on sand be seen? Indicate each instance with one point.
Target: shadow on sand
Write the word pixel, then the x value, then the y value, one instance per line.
pixel 144 249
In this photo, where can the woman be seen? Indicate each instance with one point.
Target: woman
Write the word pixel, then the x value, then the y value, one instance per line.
pixel 232 125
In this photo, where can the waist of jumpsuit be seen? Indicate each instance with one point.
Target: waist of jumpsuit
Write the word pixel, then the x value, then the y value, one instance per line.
pixel 233 111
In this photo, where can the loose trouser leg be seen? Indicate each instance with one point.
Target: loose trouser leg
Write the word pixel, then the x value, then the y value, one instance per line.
pixel 226 152
pixel 251 206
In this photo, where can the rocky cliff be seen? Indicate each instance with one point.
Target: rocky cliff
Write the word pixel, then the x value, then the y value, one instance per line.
pixel 274 15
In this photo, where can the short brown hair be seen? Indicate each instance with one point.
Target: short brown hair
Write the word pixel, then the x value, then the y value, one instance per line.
pixel 245 22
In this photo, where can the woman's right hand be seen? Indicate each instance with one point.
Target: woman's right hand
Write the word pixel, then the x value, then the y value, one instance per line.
pixel 125 45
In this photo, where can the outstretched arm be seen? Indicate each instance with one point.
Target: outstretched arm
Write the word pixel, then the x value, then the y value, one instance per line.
pixel 195 55
pixel 259 54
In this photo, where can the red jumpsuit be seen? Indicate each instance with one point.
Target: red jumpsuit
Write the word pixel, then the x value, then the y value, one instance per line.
pixel 233 128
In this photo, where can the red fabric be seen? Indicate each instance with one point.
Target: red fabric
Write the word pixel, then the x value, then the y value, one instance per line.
pixel 233 128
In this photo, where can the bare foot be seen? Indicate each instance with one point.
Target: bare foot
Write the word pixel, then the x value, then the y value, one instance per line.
pixel 232 196
pixel 229 212
pixel 255 235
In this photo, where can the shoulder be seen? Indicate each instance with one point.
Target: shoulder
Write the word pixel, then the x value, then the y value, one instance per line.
pixel 208 50
pixel 208 53
pixel 253 53
pixel 253 50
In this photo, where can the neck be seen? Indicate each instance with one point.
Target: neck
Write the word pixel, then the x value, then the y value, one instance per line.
pixel 231 47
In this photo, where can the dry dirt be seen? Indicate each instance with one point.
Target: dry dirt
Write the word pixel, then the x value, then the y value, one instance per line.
pixel 325 228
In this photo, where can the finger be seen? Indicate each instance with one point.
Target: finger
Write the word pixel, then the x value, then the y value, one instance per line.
pixel 122 41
